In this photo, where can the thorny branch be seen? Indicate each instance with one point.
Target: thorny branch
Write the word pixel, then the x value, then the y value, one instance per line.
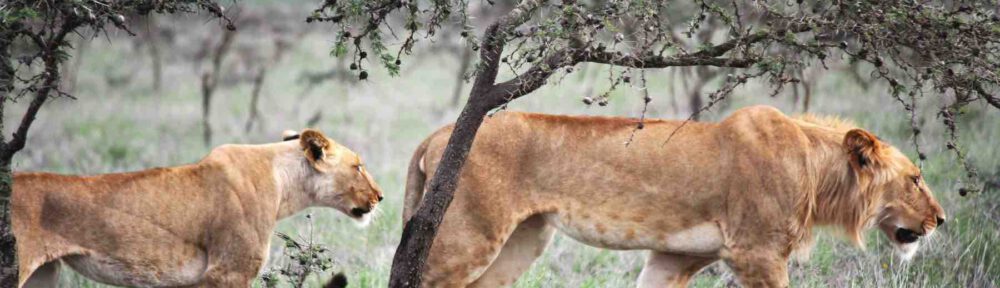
pixel 915 47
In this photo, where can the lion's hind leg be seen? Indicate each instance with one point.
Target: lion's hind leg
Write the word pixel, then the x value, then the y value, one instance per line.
pixel 46 276
pixel 469 239
pixel 522 248
pixel 671 270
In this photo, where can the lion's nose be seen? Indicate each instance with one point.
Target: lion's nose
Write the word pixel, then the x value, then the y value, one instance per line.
pixel 940 221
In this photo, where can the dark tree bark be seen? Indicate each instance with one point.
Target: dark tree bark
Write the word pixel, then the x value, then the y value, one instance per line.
pixel 8 243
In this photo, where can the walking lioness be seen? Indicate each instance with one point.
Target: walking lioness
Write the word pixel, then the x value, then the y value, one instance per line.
pixel 747 190
pixel 206 224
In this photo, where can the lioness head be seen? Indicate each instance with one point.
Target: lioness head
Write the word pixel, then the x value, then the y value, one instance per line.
pixel 906 210
pixel 336 176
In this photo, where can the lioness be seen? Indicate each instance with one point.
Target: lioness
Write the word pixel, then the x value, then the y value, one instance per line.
pixel 206 224
pixel 747 190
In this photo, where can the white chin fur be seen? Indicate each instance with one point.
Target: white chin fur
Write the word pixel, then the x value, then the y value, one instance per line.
pixel 364 220
pixel 906 251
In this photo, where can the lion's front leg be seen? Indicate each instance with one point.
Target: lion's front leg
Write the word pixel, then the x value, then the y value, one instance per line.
pixel 671 270
pixel 237 273
pixel 757 267
pixel 228 279
pixel 234 260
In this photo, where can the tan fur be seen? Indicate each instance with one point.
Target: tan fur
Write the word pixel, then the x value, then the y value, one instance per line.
pixel 206 224
pixel 747 190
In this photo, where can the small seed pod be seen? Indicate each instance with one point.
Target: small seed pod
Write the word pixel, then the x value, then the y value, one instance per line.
pixel 363 75
pixel 354 66
pixel 119 19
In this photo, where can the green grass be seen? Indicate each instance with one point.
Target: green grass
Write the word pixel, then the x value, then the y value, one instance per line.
pixel 129 127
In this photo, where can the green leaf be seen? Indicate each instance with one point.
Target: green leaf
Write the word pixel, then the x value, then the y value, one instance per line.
pixel 339 49
pixel 390 64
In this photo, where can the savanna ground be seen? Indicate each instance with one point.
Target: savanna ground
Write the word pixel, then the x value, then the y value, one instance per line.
pixel 120 123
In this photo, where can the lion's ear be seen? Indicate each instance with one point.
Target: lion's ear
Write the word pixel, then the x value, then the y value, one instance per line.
pixel 314 144
pixel 865 149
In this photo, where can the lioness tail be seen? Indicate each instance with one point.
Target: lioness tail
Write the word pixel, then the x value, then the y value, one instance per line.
pixel 415 179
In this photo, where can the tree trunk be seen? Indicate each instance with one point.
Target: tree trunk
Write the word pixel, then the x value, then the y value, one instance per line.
pixel 422 227
pixel 8 244
pixel 418 234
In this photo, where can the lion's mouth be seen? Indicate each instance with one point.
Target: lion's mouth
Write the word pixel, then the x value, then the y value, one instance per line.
pixel 907 236
pixel 358 212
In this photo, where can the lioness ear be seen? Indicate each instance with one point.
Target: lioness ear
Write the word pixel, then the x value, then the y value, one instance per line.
pixel 314 144
pixel 289 135
pixel 863 147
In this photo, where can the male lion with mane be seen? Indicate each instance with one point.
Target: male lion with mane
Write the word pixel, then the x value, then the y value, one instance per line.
pixel 747 190
pixel 206 224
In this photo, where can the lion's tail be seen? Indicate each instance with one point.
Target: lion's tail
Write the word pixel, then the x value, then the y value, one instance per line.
pixel 415 179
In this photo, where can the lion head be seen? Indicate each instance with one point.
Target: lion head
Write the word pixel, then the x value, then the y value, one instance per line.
pixel 336 176
pixel 900 203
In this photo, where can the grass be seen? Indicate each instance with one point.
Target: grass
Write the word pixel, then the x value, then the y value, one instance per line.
pixel 120 124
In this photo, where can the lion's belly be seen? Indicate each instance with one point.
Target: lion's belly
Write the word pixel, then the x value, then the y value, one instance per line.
pixel 701 239
pixel 140 273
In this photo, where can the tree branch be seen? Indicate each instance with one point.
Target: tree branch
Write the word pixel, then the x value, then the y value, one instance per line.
pixel 418 233
pixel 495 39
pixel 49 83
pixel 535 76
